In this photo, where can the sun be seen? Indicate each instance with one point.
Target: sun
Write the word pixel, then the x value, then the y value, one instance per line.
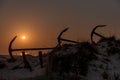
pixel 23 37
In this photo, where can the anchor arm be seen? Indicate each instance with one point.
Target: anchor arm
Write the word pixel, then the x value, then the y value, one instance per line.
pixel 59 37
pixel 10 48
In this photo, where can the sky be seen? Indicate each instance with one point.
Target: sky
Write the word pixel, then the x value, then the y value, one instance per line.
pixel 42 20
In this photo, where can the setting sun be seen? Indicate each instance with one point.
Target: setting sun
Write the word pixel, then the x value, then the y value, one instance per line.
pixel 23 37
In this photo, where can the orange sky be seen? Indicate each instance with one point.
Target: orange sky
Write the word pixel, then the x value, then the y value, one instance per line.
pixel 41 21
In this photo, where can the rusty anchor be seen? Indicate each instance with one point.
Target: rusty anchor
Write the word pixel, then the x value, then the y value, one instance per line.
pixel 10 49
pixel 60 39
pixel 95 33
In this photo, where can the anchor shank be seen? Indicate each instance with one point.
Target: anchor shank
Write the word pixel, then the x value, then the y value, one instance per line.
pixel 99 35
pixel 68 40
pixel 25 49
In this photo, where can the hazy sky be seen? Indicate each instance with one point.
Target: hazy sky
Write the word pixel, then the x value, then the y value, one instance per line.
pixel 42 20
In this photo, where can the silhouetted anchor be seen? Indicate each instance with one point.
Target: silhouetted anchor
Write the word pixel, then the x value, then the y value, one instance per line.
pixel 10 49
pixel 93 32
pixel 60 39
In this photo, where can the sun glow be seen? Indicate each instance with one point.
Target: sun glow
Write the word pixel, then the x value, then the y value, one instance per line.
pixel 26 53
pixel 23 37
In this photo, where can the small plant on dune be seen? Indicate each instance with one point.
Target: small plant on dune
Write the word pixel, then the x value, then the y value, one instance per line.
pixel 110 39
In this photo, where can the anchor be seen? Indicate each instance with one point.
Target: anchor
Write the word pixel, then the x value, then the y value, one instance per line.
pixel 10 49
pixel 60 39
pixel 95 33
